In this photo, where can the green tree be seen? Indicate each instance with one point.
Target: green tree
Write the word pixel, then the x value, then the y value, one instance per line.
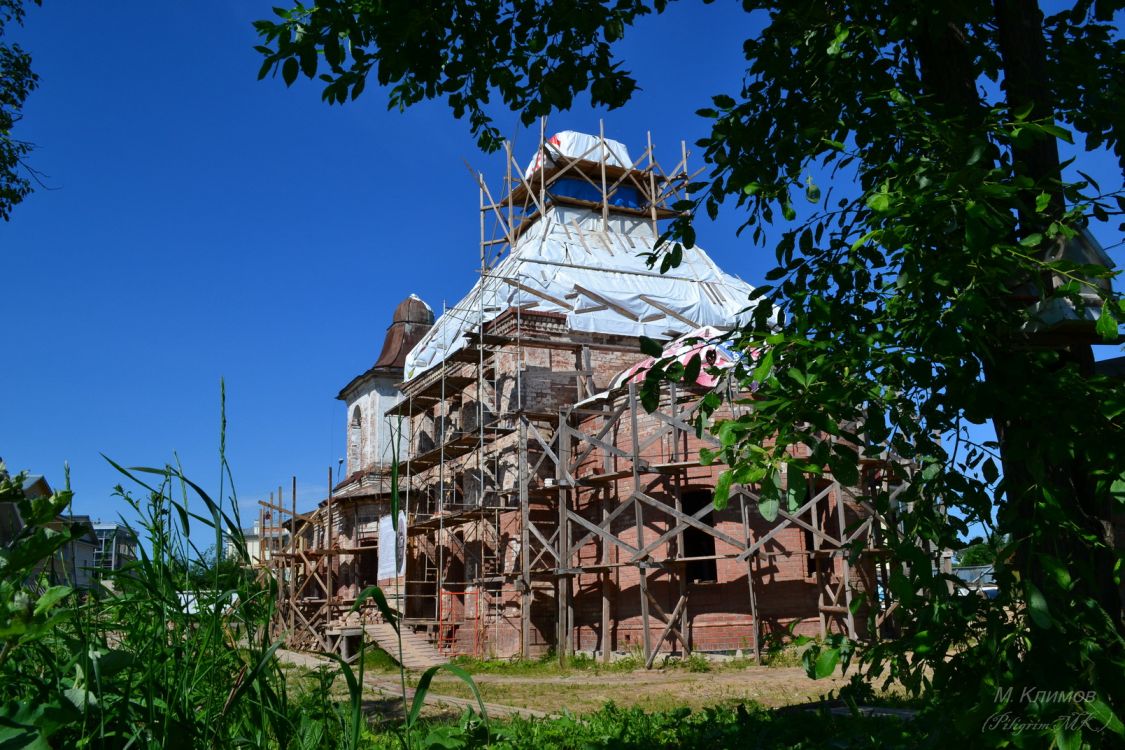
pixel 17 81
pixel 982 552
pixel 215 571
pixel 912 307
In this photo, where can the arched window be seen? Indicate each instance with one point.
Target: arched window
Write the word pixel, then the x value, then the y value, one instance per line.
pixel 355 440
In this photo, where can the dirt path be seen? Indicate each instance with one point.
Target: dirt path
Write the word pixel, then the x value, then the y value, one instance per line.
pixel 389 689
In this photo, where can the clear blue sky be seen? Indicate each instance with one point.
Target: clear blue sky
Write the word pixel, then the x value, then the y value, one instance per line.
pixel 204 225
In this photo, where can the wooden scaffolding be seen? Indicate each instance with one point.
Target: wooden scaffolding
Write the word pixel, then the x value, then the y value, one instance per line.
pixel 519 509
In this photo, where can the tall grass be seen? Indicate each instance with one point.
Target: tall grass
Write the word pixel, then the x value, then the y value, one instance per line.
pixel 160 656
pixel 150 660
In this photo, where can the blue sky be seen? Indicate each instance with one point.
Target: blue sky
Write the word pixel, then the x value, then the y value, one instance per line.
pixel 201 224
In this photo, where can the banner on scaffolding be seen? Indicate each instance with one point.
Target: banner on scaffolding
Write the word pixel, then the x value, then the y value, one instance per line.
pixel 391 542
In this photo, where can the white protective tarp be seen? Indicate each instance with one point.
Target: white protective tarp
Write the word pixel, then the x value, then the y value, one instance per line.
pixel 389 543
pixel 565 263
pixel 568 262
pixel 574 145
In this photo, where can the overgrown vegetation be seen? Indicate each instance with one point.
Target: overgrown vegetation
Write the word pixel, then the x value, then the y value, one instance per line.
pixel 148 659
pixel 171 651
pixel 723 727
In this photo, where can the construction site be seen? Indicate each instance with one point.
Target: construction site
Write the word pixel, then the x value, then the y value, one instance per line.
pixel 542 507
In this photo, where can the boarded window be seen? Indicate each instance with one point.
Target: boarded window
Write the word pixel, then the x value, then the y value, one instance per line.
pixel 698 543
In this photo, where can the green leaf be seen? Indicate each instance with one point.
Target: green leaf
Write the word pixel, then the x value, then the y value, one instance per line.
pixel 424 687
pixel 795 487
pixel 1032 240
pixel 651 347
pixel 376 593
pixel 989 471
pixel 289 71
pixel 1037 606
pixel 768 506
pixel 1105 716
pixel 826 662
pixel 266 658
pixel 844 465
pixel 762 369
pixel 879 202
pixel 812 192
pixel 723 101
pixel 650 390
pixel 1041 202
pixel 1057 570
pixel 769 501
pixel 692 368
pixel 722 489
pixel 837 44
pixel 1059 132
pixel 50 598
pixel 1107 323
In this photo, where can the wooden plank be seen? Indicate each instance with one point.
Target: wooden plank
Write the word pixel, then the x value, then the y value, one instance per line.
pixel 542 295
pixel 610 420
pixel 754 634
pixel 606 525
pixel 548 546
pixel 674 531
pixel 678 423
pixel 753 548
pixel 599 531
pixel 562 582
pixel 620 310
pixel 547 449
pixel 607 641
pixel 646 636
pixel 689 520
pixel 669 311
pixel 639 518
pixel 670 627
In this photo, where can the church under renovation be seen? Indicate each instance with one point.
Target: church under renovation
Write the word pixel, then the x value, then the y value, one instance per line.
pixel 541 506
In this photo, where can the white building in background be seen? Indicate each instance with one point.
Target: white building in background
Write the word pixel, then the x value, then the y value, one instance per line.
pixel 117 545
pixel 259 546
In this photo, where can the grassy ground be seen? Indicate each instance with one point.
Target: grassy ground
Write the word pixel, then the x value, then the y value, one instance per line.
pixel 692 704
pixel 585 685
pixel 651 690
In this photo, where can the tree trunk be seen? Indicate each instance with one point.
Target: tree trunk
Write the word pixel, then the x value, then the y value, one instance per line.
pixel 1024 56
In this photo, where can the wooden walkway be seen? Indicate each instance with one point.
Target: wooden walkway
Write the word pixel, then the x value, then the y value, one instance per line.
pixel 417 652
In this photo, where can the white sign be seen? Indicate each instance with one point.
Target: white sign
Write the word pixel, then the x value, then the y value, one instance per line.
pixel 390 545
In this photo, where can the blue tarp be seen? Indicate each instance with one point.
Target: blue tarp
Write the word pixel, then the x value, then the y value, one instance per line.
pixel 628 197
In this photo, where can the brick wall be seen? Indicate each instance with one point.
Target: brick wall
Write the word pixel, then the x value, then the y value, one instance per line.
pixel 545 379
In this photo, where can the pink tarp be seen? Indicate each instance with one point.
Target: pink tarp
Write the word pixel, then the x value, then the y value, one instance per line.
pixel 694 343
